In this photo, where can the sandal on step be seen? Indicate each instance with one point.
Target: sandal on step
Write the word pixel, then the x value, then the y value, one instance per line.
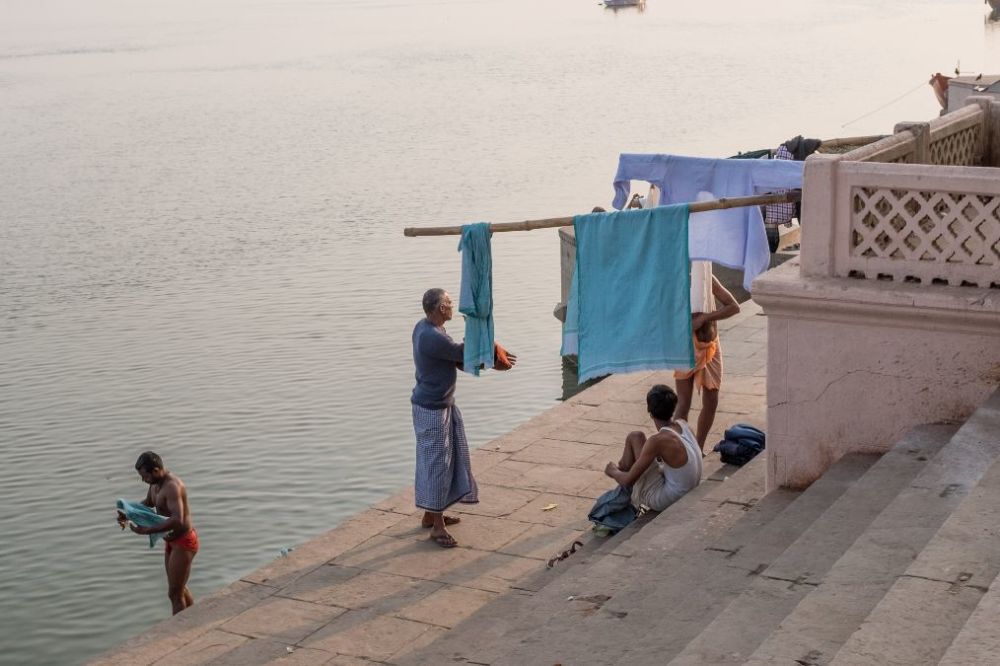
pixel 444 540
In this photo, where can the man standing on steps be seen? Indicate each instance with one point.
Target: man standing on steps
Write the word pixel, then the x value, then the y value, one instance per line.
pixel 443 471
pixel 167 495
pixel 707 371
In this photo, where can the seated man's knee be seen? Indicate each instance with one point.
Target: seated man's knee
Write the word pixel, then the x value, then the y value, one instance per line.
pixel 636 436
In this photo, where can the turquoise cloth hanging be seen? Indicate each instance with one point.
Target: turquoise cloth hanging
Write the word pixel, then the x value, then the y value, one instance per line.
pixel 476 296
pixel 630 299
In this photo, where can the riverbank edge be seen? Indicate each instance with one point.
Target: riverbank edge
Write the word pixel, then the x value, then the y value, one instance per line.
pixel 373 588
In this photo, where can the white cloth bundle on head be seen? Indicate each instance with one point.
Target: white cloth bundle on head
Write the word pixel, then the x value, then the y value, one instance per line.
pixel 702 299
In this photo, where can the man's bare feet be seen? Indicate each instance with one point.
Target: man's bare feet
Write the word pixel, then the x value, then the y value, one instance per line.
pixel 444 540
pixel 448 520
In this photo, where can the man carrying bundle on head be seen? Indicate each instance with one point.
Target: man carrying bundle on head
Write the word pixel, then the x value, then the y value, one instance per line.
pixel 707 371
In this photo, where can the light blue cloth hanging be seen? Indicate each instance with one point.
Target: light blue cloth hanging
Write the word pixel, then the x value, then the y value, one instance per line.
pixel 476 296
pixel 733 237
pixel 143 516
pixel 630 300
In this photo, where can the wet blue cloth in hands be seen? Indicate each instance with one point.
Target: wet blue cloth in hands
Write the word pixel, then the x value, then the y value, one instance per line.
pixel 143 516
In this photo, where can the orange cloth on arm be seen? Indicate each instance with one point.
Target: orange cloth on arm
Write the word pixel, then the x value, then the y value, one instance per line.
pixel 707 370
pixel 500 360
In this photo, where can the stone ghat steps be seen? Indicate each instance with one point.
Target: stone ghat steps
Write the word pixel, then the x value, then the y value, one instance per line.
pixel 727 495
pixel 713 523
pixel 885 560
pixel 928 606
pixel 752 615
pixel 670 596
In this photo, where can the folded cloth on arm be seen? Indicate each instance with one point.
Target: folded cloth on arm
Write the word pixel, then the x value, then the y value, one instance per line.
pixel 500 359
pixel 733 237
pixel 630 300
pixel 476 296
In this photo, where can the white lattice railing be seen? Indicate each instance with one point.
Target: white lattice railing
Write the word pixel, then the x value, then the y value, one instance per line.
pixel 960 141
pixel 914 207
pixel 955 139
pixel 913 223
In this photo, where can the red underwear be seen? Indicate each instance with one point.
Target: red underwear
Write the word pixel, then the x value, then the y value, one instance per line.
pixel 187 542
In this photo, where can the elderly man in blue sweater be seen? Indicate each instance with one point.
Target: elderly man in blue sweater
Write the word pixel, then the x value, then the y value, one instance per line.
pixel 443 471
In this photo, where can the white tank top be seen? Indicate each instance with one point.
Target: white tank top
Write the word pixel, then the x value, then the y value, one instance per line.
pixel 679 480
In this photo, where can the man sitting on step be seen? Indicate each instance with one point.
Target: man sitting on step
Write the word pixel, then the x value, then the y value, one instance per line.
pixel 664 467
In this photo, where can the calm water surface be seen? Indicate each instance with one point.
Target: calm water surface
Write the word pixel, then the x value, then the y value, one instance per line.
pixel 201 208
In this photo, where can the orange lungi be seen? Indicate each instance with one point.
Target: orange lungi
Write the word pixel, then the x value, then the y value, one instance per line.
pixel 707 370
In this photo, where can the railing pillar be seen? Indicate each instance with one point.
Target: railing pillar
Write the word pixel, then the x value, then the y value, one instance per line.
pixel 991 135
pixel 819 207
pixel 992 155
pixel 922 136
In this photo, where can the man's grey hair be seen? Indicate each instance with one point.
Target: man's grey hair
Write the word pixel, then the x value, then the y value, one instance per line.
pixel 432 299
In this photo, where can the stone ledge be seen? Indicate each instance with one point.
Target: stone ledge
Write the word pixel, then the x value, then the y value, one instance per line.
pixel 783 291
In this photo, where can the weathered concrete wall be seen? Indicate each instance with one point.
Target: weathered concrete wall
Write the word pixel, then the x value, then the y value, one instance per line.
pixel 853 364
pixel 891 316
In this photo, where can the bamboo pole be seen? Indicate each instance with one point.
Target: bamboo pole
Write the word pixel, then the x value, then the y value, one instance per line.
pixel 552 222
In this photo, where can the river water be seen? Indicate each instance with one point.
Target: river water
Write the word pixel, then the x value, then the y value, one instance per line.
pixel 201 250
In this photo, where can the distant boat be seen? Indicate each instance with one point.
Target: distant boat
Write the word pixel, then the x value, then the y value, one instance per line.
pixel 635 3
pixel 995 9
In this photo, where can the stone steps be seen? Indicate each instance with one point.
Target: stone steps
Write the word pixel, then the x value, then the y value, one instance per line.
pixel 884 560
pixel 671 595
pixel 723 498
pixel 749 619
pixel 817 627
pixel 979 640
pixel 515 610
pixel 928 606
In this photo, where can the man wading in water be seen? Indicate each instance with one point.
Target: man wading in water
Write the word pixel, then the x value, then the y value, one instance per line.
pixel 444 471
pixel 168 496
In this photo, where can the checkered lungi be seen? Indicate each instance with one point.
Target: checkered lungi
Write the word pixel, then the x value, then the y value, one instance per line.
pixel 778 214
pixel 444 471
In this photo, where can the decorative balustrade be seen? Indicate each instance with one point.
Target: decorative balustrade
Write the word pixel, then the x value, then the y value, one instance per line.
pixel 852 364
pixel 914 207
pixel 916 226
pixel 900 148
pixel 956 139
pixel 959 142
